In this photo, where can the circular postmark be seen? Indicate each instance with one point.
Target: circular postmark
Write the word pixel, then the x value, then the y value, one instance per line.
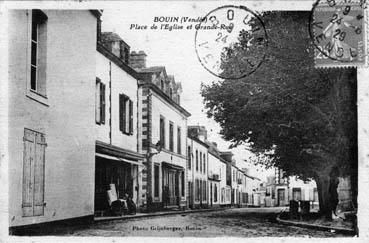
pixel 231 42
pixel 336 30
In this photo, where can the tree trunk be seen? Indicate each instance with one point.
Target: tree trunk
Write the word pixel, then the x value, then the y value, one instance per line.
pixel 322 183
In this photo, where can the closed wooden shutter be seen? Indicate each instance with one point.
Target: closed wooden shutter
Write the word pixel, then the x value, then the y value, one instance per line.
pixel 102 100
pixel 28 172
pixel 38 205
pixel 98 103
pixel 33 173
pixel 130 117
pixel 121 112
pixel 124 107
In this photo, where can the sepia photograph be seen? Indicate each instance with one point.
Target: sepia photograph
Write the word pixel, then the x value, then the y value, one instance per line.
pixel 190 119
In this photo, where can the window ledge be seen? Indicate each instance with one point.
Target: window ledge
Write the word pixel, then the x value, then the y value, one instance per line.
pixel 37 97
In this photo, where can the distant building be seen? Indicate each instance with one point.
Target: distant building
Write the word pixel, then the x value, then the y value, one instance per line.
pixel 215 166
pixel 281 189
pixel 164 126
pixel 197 168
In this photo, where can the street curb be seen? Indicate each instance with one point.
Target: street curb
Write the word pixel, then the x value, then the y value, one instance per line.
pixel 315 226
pixel 158 214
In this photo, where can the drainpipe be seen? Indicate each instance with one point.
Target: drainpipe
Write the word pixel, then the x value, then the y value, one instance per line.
pixel 110 135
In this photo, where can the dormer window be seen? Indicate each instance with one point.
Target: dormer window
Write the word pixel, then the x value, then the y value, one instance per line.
pixel 162 85
pixel 171 93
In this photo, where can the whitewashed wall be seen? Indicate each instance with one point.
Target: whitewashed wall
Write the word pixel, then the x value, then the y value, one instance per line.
pixel 67 117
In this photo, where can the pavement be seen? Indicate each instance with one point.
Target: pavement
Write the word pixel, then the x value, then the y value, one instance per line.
pixel 337 225
pixel 155 214
pixel 231 222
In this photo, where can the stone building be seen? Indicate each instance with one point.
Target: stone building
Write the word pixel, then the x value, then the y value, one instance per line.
pixel 164 136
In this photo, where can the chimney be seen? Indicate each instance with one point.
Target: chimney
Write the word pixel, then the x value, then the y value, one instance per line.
pixel 137 60
pixel 199 132
pixel 203 134
pixel 227 156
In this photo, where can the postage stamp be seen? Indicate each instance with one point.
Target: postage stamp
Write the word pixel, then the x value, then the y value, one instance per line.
pixel 225 35
pixel 184 119
pixel 338 32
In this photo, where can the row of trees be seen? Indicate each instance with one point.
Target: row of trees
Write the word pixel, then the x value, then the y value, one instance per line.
pixel 306 116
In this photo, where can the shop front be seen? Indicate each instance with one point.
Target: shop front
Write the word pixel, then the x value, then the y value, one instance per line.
pixel 117 173
pixel 173 184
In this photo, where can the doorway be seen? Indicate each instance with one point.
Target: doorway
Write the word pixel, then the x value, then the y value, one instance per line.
pixel 281 199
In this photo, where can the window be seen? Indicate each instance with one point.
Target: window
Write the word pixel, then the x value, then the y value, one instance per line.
pixel 162 131
pixel 125 114
pixel 162 85
pixel 215 193
pixel 171 134
pixel 197 160
pixel 183 183
pixel 204 162
pixel 33 173
pixel 156 180
pixel 203 190
pixel 100 102
pixel 179 138
pixel 201 162
pixel 195 189
pixel 189 157
pixel 38 52
pixel 178 99
pixel 296 194
pixel 171 93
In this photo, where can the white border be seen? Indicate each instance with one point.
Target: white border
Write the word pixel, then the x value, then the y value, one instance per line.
pixel 363 123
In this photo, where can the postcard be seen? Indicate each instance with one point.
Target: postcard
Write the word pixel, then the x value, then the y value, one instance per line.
pixel 186 120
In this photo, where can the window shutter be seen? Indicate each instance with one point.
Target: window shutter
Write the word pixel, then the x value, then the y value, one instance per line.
pixel 124 107
pixel 98 102
pixel 102 105
pixel 28 172
pixel 39 172
pixel 121 115
pixel 130 117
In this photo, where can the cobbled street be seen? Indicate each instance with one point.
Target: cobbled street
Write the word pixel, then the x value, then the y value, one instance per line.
pixel 237 222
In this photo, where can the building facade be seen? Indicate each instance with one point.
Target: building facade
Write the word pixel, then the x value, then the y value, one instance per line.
pixel 197 174
pixel 118 160
pixel 51 115
pixel 164 136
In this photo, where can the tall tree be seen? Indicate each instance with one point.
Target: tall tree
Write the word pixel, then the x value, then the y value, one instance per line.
pixel 307 116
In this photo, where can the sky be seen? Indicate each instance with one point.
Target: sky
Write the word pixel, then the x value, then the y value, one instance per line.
pixel 175 50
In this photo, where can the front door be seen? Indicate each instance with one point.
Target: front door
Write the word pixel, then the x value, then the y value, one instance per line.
pixel 211 194
pixel 281 197
pixel 172 187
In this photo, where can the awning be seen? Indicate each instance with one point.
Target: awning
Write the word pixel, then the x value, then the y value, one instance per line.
pixel 119 159
pixel 172 166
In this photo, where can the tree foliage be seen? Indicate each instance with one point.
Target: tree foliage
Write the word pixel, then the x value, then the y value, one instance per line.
pixel 306 115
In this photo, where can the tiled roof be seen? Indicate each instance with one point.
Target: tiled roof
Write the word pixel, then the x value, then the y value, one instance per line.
pixel 110 36
pixel 154 69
